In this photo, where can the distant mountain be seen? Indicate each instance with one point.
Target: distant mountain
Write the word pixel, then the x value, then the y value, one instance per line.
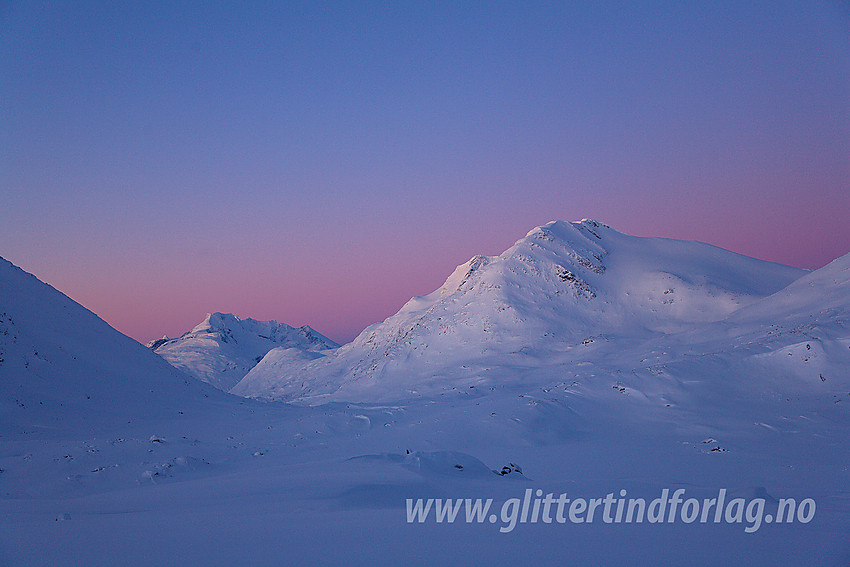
pixel 60 364
pixel 561 288
pixel 223 348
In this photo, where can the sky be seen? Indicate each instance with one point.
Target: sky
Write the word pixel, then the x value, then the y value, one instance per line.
pixel 322 162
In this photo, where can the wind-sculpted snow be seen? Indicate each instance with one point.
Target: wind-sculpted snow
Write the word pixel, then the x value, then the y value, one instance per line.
pixel 223 348
pixel 538 305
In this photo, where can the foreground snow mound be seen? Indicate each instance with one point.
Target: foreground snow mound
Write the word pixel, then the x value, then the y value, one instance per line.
pixel 223 347
pixel 562 287
pixel 61 364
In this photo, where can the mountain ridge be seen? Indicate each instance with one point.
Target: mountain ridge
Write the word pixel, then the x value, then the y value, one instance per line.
pixel 560 285
pixel 222 348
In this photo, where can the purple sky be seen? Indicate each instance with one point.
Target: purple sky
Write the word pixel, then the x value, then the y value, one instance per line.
pixel 322 163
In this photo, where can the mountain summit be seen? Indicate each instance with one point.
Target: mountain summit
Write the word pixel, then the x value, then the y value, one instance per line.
pixel 564 285
pixel 222 348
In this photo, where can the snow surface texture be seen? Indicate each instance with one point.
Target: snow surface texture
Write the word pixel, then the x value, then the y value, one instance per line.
pixel 108 455
pixel 223 348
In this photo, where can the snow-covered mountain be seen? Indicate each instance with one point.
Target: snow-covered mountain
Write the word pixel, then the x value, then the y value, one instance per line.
pixel 223 348
pixel 61 364
pixel 558 290
pixel 820 294
pixel 799 336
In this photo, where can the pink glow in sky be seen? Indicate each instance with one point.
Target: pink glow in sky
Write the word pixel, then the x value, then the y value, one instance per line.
pixel 321 166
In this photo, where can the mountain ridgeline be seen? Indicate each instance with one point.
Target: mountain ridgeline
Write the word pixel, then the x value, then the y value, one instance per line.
pixel 542 304
pixel 222 348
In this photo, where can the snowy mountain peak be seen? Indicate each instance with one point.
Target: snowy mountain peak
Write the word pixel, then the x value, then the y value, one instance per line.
pixel 558 253
pixel 229 327
pixel 563 228
pixel 156 343
pixel 558 286
pixel 222 348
